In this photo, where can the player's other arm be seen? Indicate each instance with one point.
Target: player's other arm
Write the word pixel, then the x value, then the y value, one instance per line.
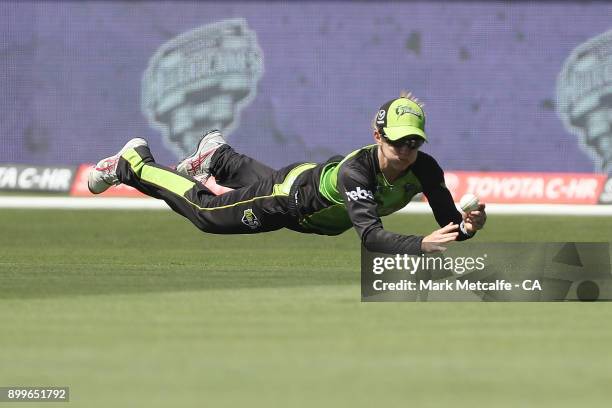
pixel 440 199
pixel 358 194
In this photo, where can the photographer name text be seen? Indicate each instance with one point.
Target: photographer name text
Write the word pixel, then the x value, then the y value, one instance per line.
pixel 456 285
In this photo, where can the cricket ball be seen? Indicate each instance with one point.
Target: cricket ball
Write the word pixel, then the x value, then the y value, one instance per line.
pixel 469 202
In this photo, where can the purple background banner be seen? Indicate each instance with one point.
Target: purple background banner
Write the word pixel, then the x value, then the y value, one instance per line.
pixel 311 77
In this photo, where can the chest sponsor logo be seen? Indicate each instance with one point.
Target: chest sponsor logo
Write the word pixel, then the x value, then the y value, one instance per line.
pixel 359 194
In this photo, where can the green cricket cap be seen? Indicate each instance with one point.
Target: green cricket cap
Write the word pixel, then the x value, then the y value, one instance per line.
pixel 401 117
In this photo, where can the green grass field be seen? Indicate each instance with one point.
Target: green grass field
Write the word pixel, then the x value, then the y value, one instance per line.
pixel 139 309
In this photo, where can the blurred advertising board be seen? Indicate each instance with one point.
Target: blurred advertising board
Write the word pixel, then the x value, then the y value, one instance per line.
pixel 532 188
pixel 19 177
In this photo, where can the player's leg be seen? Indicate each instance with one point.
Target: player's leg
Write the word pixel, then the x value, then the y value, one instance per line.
pixel 257 208
pixel 134 165
pixel 262 206
pixel 236 170
pixel 213 156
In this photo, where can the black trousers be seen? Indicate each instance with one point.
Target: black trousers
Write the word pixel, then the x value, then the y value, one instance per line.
pixel 258 203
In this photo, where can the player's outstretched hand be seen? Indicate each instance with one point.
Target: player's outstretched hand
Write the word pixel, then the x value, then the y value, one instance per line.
pixel 433 242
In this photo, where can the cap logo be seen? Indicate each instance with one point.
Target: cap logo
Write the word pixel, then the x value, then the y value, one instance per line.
pixel 403 109
pixel 380 117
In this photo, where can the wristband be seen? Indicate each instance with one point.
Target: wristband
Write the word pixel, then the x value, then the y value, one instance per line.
pixel 464 231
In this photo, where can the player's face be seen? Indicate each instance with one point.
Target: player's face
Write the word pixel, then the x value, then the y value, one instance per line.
pixel 402 152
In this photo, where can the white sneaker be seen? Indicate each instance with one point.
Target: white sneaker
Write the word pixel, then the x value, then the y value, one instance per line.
pixel 104 174
pixel 198 164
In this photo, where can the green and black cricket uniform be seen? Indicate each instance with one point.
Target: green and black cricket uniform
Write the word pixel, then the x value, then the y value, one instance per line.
pixel 325 199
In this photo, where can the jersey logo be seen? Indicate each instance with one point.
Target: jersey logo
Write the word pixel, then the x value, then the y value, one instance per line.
pixel 250 219
pixel 359 193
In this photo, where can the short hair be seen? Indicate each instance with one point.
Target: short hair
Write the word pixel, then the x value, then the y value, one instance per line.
pixel 403 94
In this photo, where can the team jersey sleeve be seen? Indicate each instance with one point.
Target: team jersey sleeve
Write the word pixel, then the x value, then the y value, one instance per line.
pixel 357 188
pixel 440 199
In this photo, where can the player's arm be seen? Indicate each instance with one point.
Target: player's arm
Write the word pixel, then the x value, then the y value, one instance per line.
pixel 440 199
pixel 357 189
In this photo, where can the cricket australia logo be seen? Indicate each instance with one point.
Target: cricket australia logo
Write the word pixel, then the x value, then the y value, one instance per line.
pixel 584 98
pixel 250 219
pixel 201 80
